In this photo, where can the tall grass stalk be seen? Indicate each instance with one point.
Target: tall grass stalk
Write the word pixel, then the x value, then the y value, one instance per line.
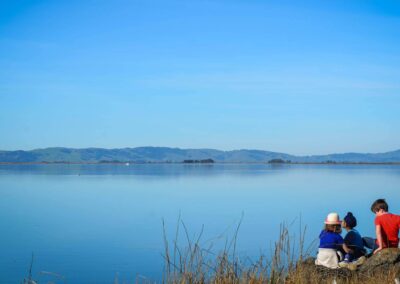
pixel 194 263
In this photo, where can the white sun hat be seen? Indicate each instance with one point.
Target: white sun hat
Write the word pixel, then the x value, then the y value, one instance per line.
pixel 333 219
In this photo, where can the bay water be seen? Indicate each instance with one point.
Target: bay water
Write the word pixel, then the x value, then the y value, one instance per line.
pixel 89 223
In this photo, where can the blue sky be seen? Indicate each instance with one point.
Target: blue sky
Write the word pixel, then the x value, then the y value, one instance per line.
pixel 301 77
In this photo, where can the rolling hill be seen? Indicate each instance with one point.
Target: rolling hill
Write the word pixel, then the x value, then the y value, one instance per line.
pixel 165 154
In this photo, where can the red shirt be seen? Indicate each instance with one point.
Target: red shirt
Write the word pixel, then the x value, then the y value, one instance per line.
pixel 390 225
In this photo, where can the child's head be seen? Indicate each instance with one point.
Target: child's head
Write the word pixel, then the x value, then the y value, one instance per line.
pixel 349 221
pixel 333 223
pixel 337 228
pixel 378 205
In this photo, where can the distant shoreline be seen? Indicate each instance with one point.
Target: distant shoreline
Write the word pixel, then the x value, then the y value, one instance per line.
pixel 166 155
pixel 182 163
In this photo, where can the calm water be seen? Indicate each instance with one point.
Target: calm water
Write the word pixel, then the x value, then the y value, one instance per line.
pixel 90 222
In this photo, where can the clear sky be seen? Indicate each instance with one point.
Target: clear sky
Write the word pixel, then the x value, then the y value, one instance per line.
pixel 301 77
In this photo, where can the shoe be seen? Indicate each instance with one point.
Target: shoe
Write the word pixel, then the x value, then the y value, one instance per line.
pixel 360 260
pixel 349 265
pixel 352 266
pixel 343 264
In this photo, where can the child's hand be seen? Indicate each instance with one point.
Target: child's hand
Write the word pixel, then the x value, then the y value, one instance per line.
pixel 378 250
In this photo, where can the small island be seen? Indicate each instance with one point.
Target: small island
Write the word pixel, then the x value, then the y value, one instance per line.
pixel 204 161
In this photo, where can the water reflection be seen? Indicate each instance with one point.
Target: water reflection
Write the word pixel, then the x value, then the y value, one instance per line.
pixel 88 222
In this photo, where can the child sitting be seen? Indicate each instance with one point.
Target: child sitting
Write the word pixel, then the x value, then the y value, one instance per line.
pixel 386 226
pixel 330 242
pixel 353 243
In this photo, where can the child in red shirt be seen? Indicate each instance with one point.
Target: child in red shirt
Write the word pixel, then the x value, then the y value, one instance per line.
pixel 387 227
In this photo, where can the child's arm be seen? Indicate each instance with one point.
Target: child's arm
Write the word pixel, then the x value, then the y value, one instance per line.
pixel 347 249
pixel 379 238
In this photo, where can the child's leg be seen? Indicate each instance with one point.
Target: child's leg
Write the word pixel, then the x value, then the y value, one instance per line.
pixel 349 257
pixel 370 243
pixel 360 252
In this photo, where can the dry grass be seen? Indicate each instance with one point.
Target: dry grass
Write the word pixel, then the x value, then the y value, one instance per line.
pixel 287 263
pixel 196 264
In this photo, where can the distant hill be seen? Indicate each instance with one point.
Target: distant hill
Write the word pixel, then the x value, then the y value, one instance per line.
pixel 165 154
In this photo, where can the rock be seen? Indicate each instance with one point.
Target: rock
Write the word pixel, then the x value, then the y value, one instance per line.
pixel 385 263
pixel 308 267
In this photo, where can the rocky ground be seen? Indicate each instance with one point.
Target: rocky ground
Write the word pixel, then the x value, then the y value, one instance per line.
pixel 383 266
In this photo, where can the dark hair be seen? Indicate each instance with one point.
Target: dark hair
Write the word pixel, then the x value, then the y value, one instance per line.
pixel 378 205
pixel 350 220
pixel 336 228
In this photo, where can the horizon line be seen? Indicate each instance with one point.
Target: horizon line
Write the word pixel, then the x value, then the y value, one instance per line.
pixel 242 149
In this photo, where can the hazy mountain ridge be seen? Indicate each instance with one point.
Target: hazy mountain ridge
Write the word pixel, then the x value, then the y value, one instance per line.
pixel 165 154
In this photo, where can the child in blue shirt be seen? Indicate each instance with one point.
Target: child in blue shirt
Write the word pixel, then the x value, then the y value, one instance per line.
pixel 330 237
pixel 330 242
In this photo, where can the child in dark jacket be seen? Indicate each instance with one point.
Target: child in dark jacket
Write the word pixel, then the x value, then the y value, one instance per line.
pixel 353 243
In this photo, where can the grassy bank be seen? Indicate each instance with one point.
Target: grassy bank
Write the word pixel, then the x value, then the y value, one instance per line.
pixel 289 262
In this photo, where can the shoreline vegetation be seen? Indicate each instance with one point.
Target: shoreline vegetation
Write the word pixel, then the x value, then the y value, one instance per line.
pixel 188 258
pixel 289 262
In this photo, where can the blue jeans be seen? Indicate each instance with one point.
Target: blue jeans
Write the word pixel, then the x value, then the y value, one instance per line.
pixel 370 243
pixel 349 257
pixel 354 253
